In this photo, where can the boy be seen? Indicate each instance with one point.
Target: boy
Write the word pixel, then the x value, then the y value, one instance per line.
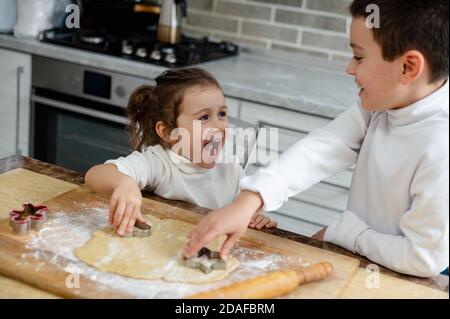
pixel 397 135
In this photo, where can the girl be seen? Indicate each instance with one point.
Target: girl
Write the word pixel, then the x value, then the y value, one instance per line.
pixel 163 117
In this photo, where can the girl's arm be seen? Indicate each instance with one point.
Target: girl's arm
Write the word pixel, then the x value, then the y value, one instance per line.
pixel 105 178
pixel 126 197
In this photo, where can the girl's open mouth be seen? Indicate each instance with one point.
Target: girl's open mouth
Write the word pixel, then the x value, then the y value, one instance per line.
pixel 211 150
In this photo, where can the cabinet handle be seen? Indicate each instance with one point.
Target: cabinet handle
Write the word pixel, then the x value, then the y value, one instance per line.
pixel 19 71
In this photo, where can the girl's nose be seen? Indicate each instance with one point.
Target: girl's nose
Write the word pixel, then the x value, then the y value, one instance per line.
pixel 219 123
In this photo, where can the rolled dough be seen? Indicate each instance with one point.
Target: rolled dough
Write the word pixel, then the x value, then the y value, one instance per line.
pixel 154 257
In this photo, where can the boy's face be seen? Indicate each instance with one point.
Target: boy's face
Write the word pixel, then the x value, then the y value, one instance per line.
pixel 378 80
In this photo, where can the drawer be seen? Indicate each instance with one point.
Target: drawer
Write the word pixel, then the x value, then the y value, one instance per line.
pixel 325 196
pixel 293 225
pixel 277 117
pixel 303 218
pixel 342 180
pixel 233 106
pixel 286 138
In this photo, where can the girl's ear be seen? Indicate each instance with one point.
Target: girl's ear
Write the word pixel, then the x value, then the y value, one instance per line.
pixel 413 66
pixel 163 130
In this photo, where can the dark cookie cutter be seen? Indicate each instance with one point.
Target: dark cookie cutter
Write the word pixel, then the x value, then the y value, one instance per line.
pixel 31 217
pixel 206 260
pixel 140 230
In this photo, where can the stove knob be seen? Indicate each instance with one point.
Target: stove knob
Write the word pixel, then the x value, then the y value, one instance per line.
pixel 141 52
pixel 170 58
pixel 127 48
pixel 228 47
pixel 156 55
pixel 120 91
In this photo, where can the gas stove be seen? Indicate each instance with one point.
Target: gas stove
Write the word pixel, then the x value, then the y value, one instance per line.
pixel 142 46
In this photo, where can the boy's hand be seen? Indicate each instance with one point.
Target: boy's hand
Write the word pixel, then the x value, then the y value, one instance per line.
pixel 259 221
pixel 232 220
pixel 125 206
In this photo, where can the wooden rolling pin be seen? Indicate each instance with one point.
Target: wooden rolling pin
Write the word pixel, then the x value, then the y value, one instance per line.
pixel 271 285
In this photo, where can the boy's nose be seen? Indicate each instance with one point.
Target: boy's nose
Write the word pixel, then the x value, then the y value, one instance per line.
pixel 350 69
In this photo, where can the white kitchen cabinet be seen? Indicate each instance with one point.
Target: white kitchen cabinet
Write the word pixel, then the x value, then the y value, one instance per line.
pixel 233 106
pixel 324 202
pixel 15 90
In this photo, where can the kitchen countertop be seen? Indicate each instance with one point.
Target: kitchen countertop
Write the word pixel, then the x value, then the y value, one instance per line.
pixel 306 84
pixel 438 284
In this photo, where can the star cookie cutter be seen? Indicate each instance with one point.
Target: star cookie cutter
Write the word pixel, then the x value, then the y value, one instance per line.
pixel 31 217
pixel 206 260
pixel 140 230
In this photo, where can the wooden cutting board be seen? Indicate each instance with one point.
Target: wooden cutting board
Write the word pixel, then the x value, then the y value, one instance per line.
pixel 48 269
pixel 19 186
pixel 365 286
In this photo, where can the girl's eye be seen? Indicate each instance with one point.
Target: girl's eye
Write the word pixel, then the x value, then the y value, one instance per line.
pixel 223 114
pixel 204 118
pixel 357 58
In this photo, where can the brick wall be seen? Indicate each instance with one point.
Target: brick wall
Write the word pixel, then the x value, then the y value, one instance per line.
pixel 312 27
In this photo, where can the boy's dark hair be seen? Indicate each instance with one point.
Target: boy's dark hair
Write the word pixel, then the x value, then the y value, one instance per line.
pixel 149 104
pixel 411 25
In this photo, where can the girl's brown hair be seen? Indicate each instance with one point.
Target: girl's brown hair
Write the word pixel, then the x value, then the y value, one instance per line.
pixel 149 104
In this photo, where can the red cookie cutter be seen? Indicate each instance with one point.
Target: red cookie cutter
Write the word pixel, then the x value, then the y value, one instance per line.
pixel 30 218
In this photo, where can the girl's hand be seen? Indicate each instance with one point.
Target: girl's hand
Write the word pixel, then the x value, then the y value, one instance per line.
pixel 232 220
pixel 125 206
pixel 259 221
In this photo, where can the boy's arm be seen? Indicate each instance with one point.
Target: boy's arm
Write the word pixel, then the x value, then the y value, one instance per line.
pixel 322 154
pixel 423 249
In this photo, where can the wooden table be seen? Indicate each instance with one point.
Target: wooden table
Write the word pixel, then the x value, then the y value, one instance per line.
pixel 392 284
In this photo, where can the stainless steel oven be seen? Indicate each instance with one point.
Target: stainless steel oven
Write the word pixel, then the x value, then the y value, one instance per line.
pixel 77 113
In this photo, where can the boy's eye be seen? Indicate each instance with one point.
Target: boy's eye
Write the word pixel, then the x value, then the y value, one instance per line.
pixel 357 58
pixel 223 114
pixel 204 118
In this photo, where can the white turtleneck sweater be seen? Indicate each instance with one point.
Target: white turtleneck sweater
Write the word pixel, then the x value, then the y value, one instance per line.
pixel 171 176
pixel 398 209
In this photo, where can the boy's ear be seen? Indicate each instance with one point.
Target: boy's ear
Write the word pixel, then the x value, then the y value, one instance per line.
pixel 163 131
pixel 413 66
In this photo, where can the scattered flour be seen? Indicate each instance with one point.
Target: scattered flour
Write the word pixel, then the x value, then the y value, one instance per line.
pixel 65 231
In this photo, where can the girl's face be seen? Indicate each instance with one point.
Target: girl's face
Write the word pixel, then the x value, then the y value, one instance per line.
pixel 201 124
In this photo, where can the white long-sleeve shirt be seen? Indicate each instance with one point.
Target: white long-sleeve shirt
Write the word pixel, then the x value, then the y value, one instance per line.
pixel 398 208
pixel 174 177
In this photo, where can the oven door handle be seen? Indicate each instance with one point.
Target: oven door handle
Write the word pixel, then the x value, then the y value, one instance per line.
pixel 79 109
